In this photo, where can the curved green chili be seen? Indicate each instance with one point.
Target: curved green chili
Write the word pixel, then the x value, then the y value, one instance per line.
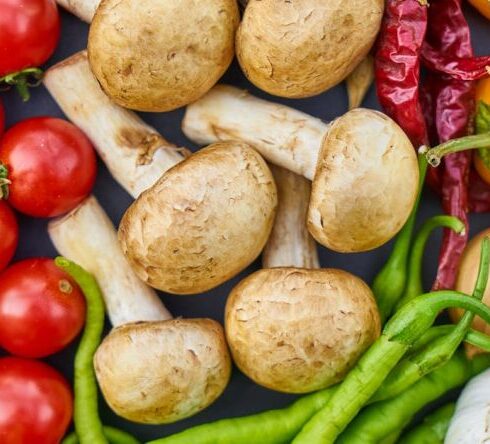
pixel 389 283
pixel 436 353
pixel 433 429
pixel 272 427
pixel 86 417
pixel 404 328
pixel 414 287
pixel 113 435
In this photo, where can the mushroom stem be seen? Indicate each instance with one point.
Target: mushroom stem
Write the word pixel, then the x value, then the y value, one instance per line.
pixel 284 136
pixel 83 9
pixel 290 244
pixel 135 153
pixel 87 236
pixel 359 81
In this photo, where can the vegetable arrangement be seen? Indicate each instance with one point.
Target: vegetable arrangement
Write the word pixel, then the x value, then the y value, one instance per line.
pixel 272 180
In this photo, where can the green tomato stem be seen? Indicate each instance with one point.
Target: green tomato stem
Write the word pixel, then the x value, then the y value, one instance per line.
pixel 434 155
pixel 88 425
pixel 22 80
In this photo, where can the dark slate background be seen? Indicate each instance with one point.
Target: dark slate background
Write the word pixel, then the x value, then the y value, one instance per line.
pixel 242 396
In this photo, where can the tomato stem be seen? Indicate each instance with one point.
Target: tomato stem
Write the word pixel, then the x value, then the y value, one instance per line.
pixel 22 80
pixel 4 182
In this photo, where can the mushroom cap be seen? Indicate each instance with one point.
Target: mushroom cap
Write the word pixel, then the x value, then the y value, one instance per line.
pixel 365 184
pixel 301 48
pixel 465 283
pixel 296 330
pixel 164 371
pixel 204 221
pixel 158 56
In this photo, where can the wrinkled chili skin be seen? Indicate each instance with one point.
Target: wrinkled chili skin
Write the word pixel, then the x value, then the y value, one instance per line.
pixel 397 65
pixel 448 33
pixel 470 68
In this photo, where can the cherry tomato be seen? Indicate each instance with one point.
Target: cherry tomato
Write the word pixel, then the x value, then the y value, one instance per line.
pixel 41 308
pixel 29 33
pixel 9 234
pixel 36 403
pixel 51 164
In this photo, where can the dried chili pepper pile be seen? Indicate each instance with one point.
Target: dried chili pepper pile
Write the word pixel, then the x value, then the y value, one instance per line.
pixel 435 107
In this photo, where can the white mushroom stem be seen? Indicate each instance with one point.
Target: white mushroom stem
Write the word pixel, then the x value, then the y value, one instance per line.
pixel 87 236
pixel 134 152
pixel 284 136
pixel 83 9
pixel 290 244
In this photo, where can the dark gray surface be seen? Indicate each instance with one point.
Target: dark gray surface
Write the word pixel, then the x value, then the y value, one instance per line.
pixel 242 395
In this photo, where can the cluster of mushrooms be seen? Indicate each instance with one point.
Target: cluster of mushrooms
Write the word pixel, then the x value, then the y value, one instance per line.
pixel 273 181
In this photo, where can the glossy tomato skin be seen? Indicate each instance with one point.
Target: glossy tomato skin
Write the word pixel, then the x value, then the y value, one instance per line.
pixel 29 33
pixel 9 234
pixel 36 403
pixel 41 308
pixel 51 163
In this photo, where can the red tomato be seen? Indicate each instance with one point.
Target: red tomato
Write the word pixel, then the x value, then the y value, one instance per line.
pixel 36 403
pixel 29 33
pixel 9 234
pixel 41 308
pixel 51 163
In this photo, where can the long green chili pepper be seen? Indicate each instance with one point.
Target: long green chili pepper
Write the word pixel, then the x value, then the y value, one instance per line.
pixel 473 337
pixel 414 287
pixel 433 429
pixel 383 418
pixel 272 427
pixel 403 329
pixel 434 155
pixel 88 426
pixel 113 435
pixel 440 350
pixel 389 283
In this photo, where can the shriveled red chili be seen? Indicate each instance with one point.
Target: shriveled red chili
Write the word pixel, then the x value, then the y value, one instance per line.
pixel 397 64
pixel 448 34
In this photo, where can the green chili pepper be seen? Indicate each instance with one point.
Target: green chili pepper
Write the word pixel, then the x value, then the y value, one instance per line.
pixel 88 426
pixel 403 329
pixel 383 418
pixel 272 427
pixel 433 429
pixel 414 287
pixel 389 284
pixel 440 350
pixel 473 337
pixel 113 435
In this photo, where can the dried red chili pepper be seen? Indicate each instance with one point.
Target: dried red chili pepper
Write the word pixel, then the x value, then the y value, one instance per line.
pixel 448 33
pixel 469 68
pixel 397 64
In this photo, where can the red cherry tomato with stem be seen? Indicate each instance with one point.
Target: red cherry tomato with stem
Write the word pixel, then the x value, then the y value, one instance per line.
pixel 36 403
pixel 41 308
pixel 51 165
pixel 9 234
pixel 29 34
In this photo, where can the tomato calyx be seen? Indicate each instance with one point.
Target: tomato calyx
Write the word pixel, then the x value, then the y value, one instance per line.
pixel 4 182
pixel 22 80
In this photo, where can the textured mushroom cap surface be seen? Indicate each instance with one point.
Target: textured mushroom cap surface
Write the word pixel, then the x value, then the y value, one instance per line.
pixel 465 283
pixel 161 372
pixel 204 221
pixel 160 55
pixel 297 330
pixel 301 48
pixel 365 184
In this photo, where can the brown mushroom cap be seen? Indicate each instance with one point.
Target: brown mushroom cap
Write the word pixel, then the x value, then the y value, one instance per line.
pixel 465 282
pixel 161 372
pixel 301 48
pixel 297 330
pixel 204 221
pixel 157 56
pixel 365 183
